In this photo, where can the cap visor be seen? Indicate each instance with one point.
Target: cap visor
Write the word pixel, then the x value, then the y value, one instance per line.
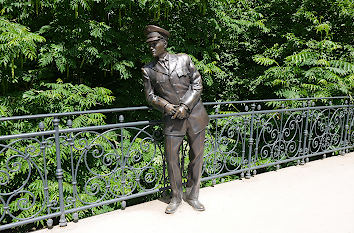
pixel 152 39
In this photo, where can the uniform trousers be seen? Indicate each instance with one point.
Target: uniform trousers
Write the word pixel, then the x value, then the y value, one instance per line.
pixel 172 145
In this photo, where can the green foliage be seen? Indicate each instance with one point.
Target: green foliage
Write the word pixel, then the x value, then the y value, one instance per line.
pixel 316 68
pixel 16 40
pixel 53 53
pixel 66 97
pixel 101 43
pixel 17 44
pixel 96 42
pixel 54 97
pixel 265 61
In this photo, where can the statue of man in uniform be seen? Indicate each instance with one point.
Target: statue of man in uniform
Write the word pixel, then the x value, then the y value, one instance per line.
pixel 173 86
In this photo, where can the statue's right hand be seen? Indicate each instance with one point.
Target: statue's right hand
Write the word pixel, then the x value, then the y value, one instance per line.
pixel 171 109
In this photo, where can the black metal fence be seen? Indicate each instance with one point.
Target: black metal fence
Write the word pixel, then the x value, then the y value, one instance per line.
pixel 62 171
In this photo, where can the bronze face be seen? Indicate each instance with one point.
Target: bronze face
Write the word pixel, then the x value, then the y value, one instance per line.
pixel 157 48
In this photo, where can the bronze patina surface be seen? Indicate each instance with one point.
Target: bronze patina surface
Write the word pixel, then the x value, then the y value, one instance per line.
pixel 173 86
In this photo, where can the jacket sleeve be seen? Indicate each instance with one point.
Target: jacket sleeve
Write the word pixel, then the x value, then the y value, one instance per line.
pixel 192 96
pixel 154 100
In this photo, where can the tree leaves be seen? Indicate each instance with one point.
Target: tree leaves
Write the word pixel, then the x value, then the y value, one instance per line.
pixel 98 29
pixel 307 75
pixel 264 61
pixel 305 57
pixel 70 97
pixel 15 41
pixel 53 53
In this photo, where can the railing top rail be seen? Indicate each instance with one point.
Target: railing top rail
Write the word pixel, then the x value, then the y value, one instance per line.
pixel 274 100
pixel 127 109
pixel 110 110
pixel 81 129
pixel 153 122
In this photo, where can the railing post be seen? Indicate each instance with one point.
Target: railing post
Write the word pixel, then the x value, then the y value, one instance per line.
pixel 217 110
pixel 124 160
pixel 45 172
pixel 280 138
pixel 242 175
pixel 258 124
pixel 71 143
pixel 248 174
pixel 59 174
pixel 300 134
pixel 306 132
pixel 346 126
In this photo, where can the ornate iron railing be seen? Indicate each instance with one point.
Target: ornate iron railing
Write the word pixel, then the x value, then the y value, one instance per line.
pixel 62 171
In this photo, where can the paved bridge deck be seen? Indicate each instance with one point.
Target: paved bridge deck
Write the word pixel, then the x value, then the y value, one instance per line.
pixel 316 197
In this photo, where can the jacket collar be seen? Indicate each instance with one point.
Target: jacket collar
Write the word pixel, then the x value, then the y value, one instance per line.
pixel 172 58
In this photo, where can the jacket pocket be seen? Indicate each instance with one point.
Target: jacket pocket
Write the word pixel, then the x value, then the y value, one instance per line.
pixel 160 80
pixel 182 71
pixel 160 83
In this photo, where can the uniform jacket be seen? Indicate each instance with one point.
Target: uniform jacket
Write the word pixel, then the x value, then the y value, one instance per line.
pixel 181 83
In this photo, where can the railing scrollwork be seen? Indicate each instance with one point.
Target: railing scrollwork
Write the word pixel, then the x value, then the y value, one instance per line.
pixel 58 173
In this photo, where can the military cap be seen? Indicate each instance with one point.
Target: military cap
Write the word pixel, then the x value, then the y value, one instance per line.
pixel 153 33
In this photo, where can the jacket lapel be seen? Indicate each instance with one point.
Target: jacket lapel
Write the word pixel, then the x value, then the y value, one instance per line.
pixel 172 65
pixel 159 68
pixel 172 62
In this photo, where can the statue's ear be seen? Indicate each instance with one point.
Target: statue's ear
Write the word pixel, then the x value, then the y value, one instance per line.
pixel 165 43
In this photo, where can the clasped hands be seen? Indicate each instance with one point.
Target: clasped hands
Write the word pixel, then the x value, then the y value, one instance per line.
pixel 177 111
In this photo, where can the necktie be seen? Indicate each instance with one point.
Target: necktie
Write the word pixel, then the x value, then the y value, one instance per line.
pixel 164 63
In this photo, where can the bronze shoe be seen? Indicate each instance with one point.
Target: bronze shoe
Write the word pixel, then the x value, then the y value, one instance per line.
pixel 196 204
pixel 172 207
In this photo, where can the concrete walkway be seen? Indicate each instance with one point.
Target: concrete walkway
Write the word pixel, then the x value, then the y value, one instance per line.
pixel 316 197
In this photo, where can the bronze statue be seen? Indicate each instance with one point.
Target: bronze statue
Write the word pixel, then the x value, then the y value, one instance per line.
pixel 173 86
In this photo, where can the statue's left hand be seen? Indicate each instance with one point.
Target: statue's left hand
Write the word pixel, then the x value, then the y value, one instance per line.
pixel 181 113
